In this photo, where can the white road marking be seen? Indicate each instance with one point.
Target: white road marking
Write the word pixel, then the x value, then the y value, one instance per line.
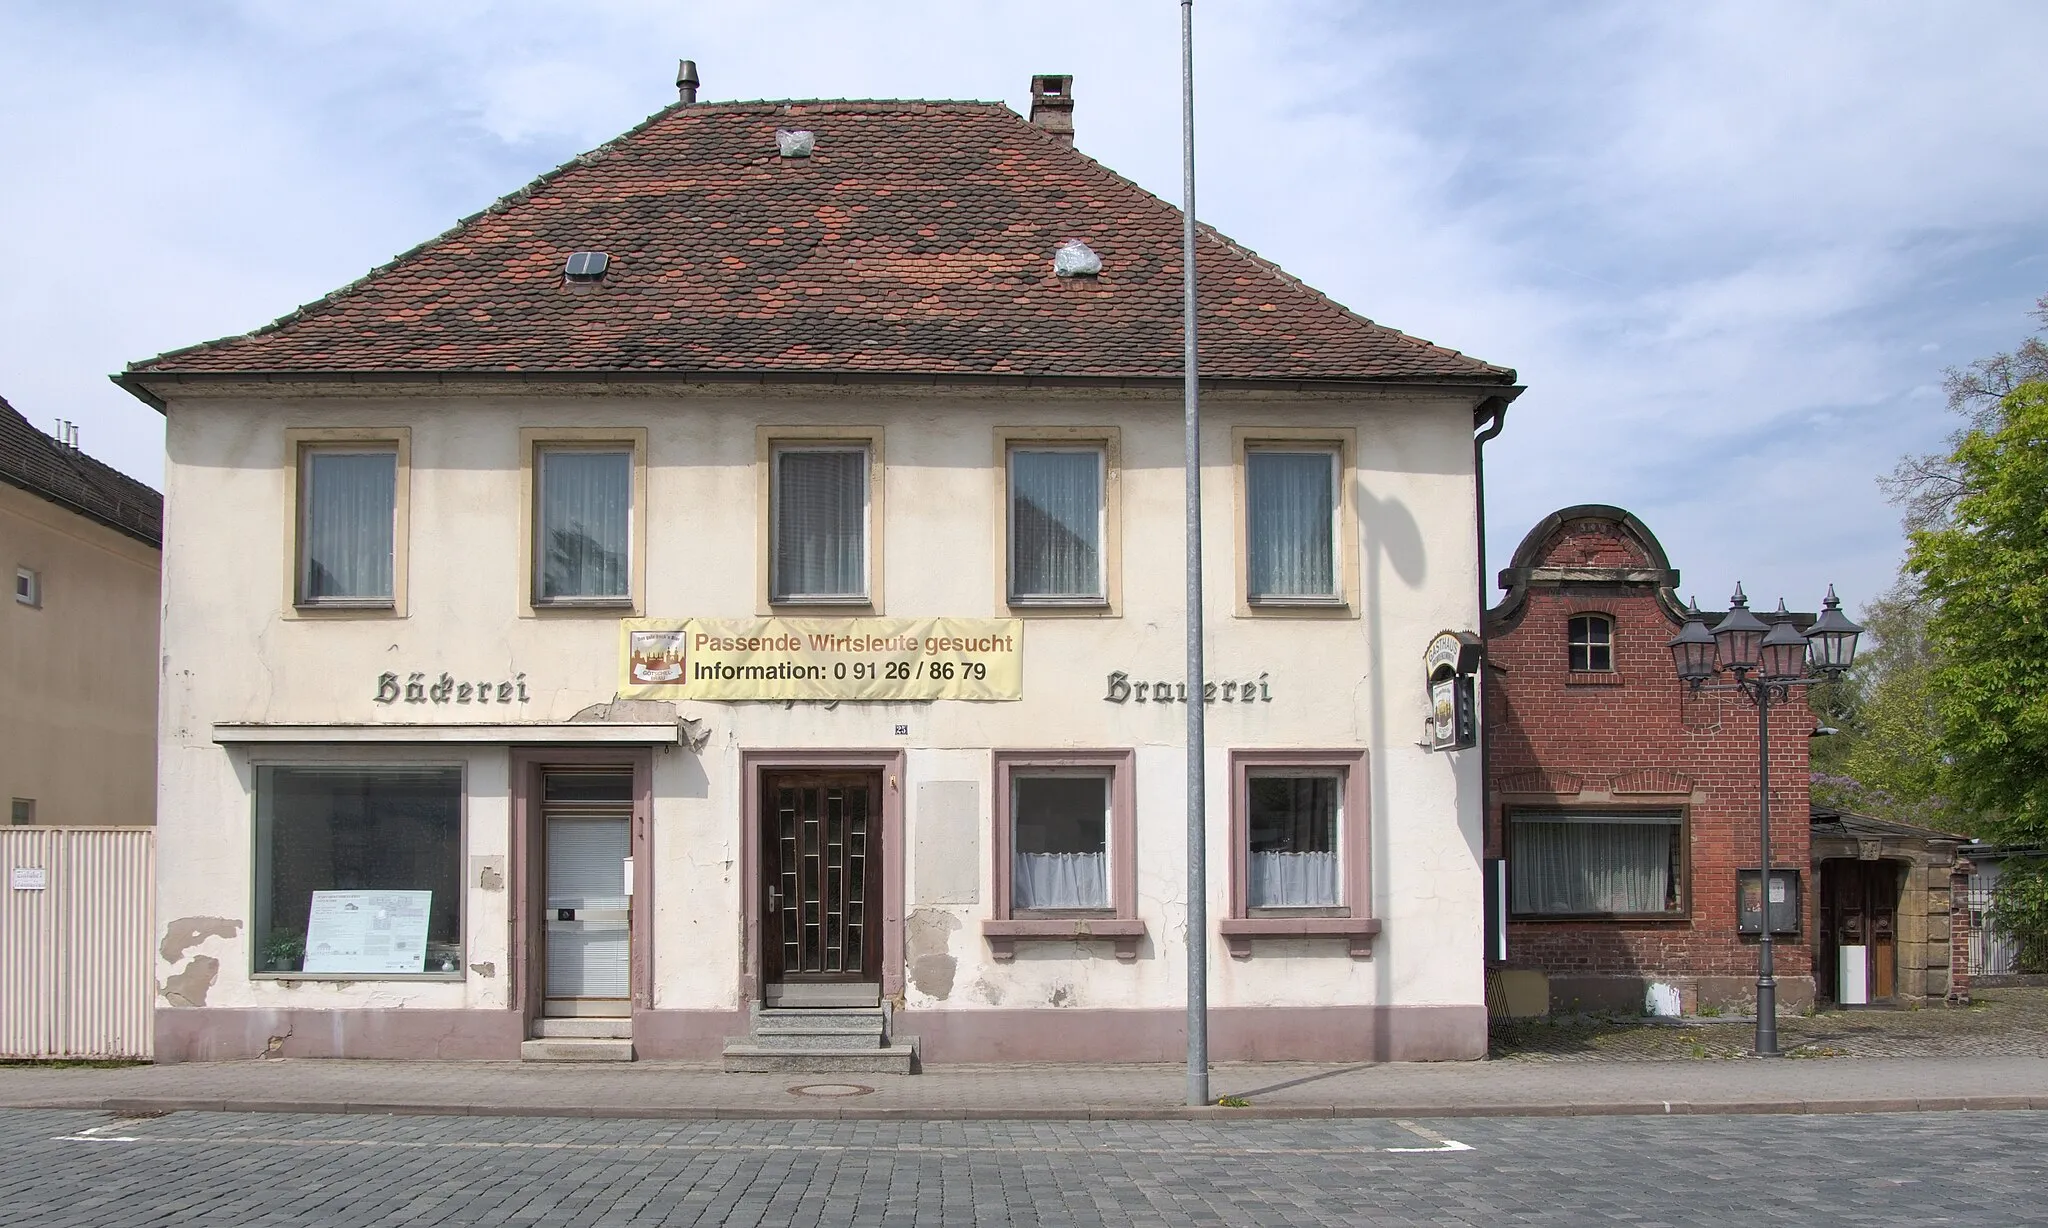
pixel 1443 1145
pixel 98 1134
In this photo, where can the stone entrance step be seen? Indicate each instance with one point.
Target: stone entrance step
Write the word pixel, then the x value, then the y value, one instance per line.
pixel 897 1057
pixel 818 1040
pixel 827 995
pixel 606 1029
pixel 577 1049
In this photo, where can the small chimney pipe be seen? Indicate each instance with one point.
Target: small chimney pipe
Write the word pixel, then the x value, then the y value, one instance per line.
pixel 686 80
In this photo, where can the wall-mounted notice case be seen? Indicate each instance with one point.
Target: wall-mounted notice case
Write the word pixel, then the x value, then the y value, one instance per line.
pixel 1785 910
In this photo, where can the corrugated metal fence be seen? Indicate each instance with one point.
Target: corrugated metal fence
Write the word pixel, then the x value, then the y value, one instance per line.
pixel 76 914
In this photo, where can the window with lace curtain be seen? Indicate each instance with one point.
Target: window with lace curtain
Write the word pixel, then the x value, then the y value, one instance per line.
pixel 1596 863
pixel 1291 531
pixel 1056 520
pixel 1064 831
pixel 1299 856
pixel 1059 841
pixel 350 547
pixel 583 525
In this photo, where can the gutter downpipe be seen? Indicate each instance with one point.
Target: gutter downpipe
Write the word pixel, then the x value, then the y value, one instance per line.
pixel 1494 412
pixel 1197 800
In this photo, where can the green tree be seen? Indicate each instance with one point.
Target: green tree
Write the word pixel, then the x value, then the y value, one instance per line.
pixel 1985 573
pixel 1885 758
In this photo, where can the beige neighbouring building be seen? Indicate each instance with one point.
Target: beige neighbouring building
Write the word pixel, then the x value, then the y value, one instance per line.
pixel 726 598
pixel 80 542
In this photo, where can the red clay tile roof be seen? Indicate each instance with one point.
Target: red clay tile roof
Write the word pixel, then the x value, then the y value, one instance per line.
pixel 917 239
pixel 72 480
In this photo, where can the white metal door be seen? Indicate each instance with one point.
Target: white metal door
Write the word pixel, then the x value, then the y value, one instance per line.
pixel 588 928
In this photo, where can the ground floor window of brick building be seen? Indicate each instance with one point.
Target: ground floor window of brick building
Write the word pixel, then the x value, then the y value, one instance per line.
pixel 1596 863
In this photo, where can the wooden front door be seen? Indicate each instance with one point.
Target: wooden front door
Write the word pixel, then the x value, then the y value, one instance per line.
pixel 821 876
pixel 1859 907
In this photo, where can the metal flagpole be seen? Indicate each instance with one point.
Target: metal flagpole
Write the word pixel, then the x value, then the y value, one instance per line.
pixel 1198 843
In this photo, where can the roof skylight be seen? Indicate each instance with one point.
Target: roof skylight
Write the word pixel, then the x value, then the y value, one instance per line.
pixel 586 266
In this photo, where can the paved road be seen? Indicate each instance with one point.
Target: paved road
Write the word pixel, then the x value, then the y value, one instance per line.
pixel 63 1168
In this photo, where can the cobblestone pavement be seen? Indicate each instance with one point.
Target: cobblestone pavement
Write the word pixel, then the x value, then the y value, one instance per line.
pixel 72 1169
pixel 2001 1022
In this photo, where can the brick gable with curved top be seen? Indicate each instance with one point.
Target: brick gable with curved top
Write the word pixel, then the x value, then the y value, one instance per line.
pixel 1635 739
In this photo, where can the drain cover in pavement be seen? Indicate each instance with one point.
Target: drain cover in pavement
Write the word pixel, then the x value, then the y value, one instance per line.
pixel 830 1089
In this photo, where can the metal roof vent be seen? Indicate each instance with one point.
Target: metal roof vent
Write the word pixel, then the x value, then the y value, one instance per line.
pixel 795 142
pixel 1076 259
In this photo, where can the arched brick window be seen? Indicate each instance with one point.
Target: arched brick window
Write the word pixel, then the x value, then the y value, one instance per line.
pixel 1589 642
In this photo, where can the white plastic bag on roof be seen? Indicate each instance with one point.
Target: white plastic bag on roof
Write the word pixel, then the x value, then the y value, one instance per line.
pixel 1076 259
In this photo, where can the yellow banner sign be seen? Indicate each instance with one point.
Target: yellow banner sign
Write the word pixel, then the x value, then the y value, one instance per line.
pixel 822 658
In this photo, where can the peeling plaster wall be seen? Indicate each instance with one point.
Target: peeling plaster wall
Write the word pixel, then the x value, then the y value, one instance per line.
pixel 233 652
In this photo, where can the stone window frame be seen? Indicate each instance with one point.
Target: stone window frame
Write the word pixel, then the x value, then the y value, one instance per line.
pixel 1353 920
pixel 767 441
pixel 1119 923
pixel 1344 442
pixel 1108 440
pixel 1572 641
pixel 28 587
pixel 1682 914
pixel 531 441
pixel 299 442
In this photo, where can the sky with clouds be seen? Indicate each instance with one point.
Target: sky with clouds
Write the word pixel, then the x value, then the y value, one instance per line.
pixel 1729 246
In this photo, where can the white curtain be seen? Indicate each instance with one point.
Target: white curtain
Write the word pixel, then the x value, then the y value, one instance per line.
pixel 1590 867
pixel 1293 552
pixel 586 512
pixel 1055 523
pixel 821 523
pixel 349 499
pixel 1059 880
pixel 1293 880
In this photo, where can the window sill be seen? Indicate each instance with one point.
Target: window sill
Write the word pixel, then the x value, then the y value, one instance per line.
pixel 1296 607
pixel 267 975
pixel 1041 607
pixel 343 609
pixel 1004 935
pixel 1239 932
pixel 609 607
pixel 821 605
pixel 1615 918
pixel 1593 677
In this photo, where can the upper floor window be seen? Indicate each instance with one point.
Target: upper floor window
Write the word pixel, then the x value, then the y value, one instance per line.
pixel 1056 524
pixel 818 518
pixel 28 586
pixel 583 552
pixel 1590 640
pixel 348 502
pixel 1291 525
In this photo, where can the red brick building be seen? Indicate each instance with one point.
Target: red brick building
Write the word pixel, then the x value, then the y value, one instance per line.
pixel 1624 805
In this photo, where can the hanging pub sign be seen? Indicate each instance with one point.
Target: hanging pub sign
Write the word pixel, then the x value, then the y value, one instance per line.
pixel 1448 669
pixel 821 659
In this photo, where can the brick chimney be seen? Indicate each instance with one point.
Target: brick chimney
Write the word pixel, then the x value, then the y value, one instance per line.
pixel 1052 105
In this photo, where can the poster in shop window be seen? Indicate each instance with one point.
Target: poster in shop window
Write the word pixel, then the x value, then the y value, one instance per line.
pixel 822 658
pixel 368 931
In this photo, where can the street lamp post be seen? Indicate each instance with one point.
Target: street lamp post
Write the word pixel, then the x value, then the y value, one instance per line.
pixel 1765 662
